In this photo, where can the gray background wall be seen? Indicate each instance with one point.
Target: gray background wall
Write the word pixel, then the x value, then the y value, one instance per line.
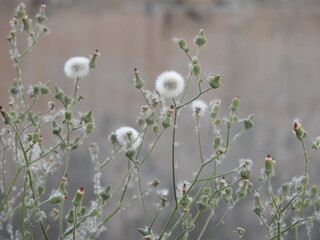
pixel 267 52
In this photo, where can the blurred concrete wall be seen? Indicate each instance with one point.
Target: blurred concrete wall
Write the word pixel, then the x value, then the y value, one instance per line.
pixel 267 52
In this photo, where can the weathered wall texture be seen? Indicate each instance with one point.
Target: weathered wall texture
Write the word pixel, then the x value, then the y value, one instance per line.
pixel 267 52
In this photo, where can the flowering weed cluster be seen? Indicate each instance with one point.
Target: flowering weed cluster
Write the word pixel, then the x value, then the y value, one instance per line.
pixel 24 195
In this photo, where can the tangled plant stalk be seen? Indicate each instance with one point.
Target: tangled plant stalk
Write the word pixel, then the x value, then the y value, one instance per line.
pixel 24 195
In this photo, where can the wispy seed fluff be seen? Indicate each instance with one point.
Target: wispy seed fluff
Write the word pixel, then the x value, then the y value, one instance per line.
pixel 199 108
pixel 128 137
pixel 169 84
pixel 77 67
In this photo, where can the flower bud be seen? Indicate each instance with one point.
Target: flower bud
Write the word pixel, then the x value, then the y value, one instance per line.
pixel 77 200
pixel 200 39
pixel 316 143
pixel 196 69
pixel 41 16
pixel 105 194
pixel 217 142
pixel 89 127
pixel 70 216
pixel 269 165
pixel 94 212
pixel 87 118
pixel 243 189
pixel 248 123
pixel 40 190
pixel 166 122
pixel 202 203
pixel 245 173
pixel 286 189
pixel 130 153
pixel 138 82
pixel 150 119
pixel 215 110
pixel 182 44
pixel 214 82
pixel 59 93
pixel 314 191
pixel 235 103
pixel 258 207
pixel 56 128
pixel 68 115
pixel 67 100
pixel 57 198
pixel 207 191
pixel 35 137
pixel 155 128
pixel 62 187
pixel 26 23
pixel 299 131
pixel 21 11
pixel 44 90
pixel 93 59
pixel 6 117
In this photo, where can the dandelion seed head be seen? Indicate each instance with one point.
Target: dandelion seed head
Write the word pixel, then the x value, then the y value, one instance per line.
pixel 128 136
pixel 77 67
pixel 199 108
pixel 169 84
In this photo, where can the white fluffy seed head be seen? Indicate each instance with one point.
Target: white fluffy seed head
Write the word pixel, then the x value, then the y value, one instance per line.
pixel 199 108
pixel 77 67
pixel 128 136
pixel 169 84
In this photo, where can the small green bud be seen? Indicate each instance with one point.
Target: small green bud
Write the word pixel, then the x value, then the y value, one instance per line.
pixel 44 90
pixel 214 82
pixel 62 187
pixel 68 115
pixel 235 103
pixel 67 100
pixel 155 128
pixel 130 153
pixel 70 216
pixel 35 137
pixel 93 59
pixel 150 119
pixel 26 23
pixel 21 11
pixel 59 93
pixel 40 190
pixel 6 117
pixel 207 191
pixel 141 122
pixel 299 131
pixel 305 180
pixel 94 212
pixel 57 198
pixel 105 194
pixel 286 189
pixel 78 197
pixel 243 189
pixel 297 204
pixel 202 203
pixel 88 117
pixel 258 207
pixel 229 191
pixel 314 191
pixel 245 173
pixel 316 143
pixel 138 82
pixel 217 142
pixel 196 69
pixel 166 122
pixel 41 16
pixel 113 139
pixel 235 118
pixel 182 44
pixel 89 127
pixel 269 165
pixel 83 210
pixel 317 202
pixel 56 128
pixel 200 39
pixel 307 202
pixel 248 123
pixel 217 122
pixel 15 89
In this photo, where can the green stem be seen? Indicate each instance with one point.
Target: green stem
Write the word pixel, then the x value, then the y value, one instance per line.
pixel 199 139
pixel 196 97
pixel 205 226
pixel 10 189
pixel 75 223
pixel 173 153
pixel 23 208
